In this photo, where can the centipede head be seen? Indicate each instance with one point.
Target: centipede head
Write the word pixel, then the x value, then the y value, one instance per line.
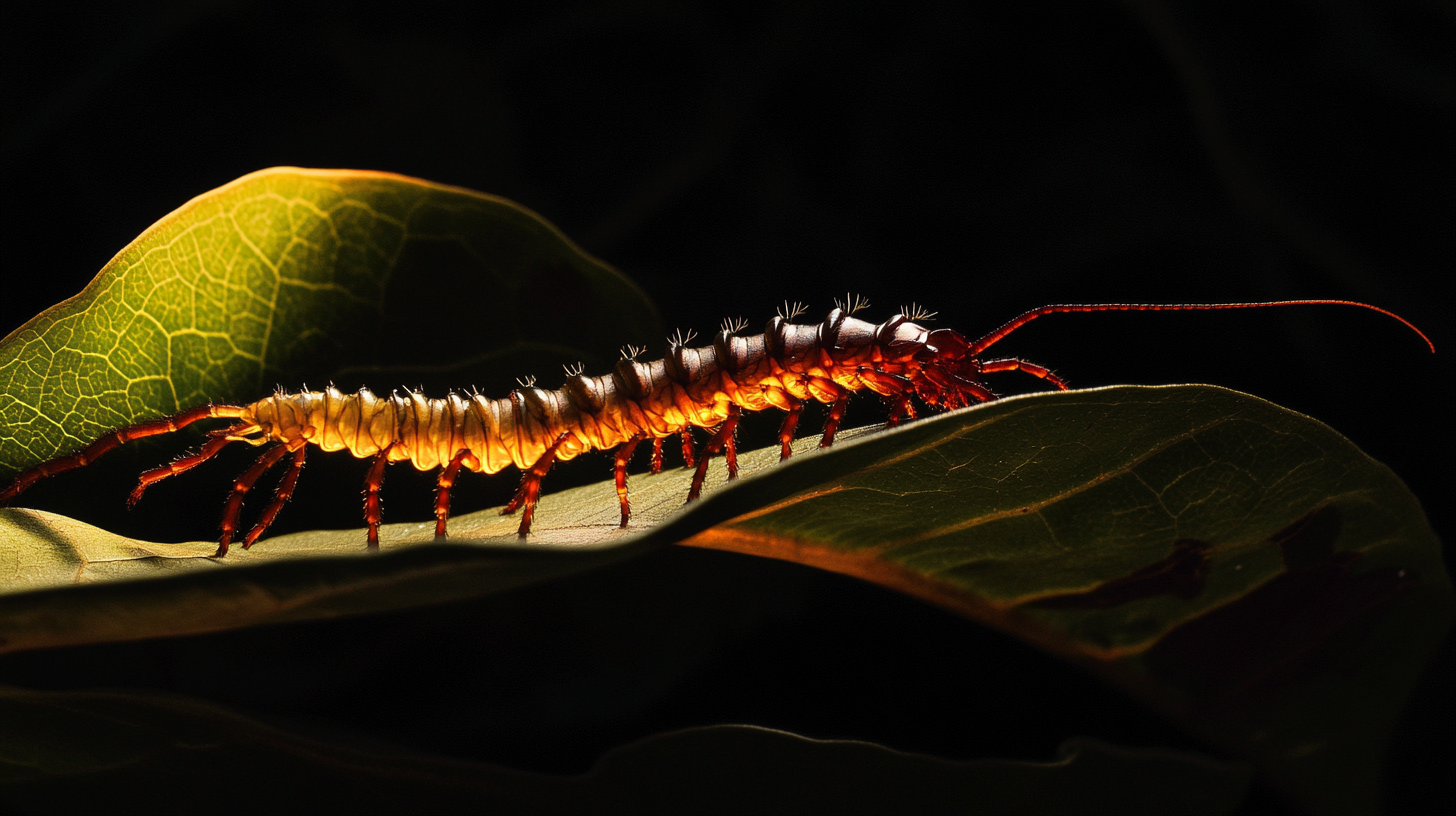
pixel 950 376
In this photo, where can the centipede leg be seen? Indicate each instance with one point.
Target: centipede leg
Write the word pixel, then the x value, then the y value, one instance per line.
pixel 282 495
pixel 656 456
pixel 687 447
pixel 624 455
pixel 1012 364
pixel 786 431
pixel 442 491
pixel 372 483
pixel 115 439
pixel 980 392
pixel 182 464
pixel 836 415
pixel 530 489
pixel 901 409
pixel 717 443
pixel 730 455
pixel 234 504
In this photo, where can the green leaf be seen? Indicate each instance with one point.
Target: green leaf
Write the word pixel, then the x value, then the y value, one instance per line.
pixel 1241 567
pixel 1238 566
pixel 84 751
pixel 67 583
pixel 289 276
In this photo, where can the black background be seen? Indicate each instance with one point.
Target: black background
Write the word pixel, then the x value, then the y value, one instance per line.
pixel 982 159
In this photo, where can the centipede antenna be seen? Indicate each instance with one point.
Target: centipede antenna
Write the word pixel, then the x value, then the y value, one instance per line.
pixel 917 313
pixel 529 381
pixel 1017 322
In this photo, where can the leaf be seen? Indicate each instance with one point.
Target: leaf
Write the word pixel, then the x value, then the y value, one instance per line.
pixel 290 275
pixel 1236 565
pixel 67 583
pixel 84 751
pixel 1241 567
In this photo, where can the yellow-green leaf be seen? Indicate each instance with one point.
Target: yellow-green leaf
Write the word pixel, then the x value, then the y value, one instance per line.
pixel 290 276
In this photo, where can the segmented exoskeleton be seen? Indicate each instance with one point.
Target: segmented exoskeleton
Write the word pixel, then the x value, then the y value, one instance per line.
pixel 532 428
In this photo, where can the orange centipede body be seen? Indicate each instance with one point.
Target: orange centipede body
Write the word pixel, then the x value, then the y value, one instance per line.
pixel 532 428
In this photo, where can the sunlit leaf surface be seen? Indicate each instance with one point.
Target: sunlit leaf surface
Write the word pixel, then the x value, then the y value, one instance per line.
pixel 88 751
pixel 293 276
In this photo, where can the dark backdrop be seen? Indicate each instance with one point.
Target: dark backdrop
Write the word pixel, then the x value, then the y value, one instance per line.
pixel 979 158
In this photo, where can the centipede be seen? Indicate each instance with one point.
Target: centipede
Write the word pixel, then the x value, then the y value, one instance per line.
pixel 785 367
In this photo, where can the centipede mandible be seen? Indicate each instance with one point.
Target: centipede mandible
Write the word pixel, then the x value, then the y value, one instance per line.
pixel 709 387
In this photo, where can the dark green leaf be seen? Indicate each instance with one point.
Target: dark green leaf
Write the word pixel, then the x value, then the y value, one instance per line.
pixel 1241 567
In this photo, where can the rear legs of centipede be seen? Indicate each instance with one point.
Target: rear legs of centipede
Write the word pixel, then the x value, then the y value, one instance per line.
pixel 141 430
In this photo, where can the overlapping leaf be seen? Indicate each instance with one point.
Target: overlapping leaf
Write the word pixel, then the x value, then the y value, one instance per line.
pixel 290 276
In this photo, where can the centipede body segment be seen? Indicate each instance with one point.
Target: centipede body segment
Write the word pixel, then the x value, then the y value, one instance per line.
pixel 531 429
